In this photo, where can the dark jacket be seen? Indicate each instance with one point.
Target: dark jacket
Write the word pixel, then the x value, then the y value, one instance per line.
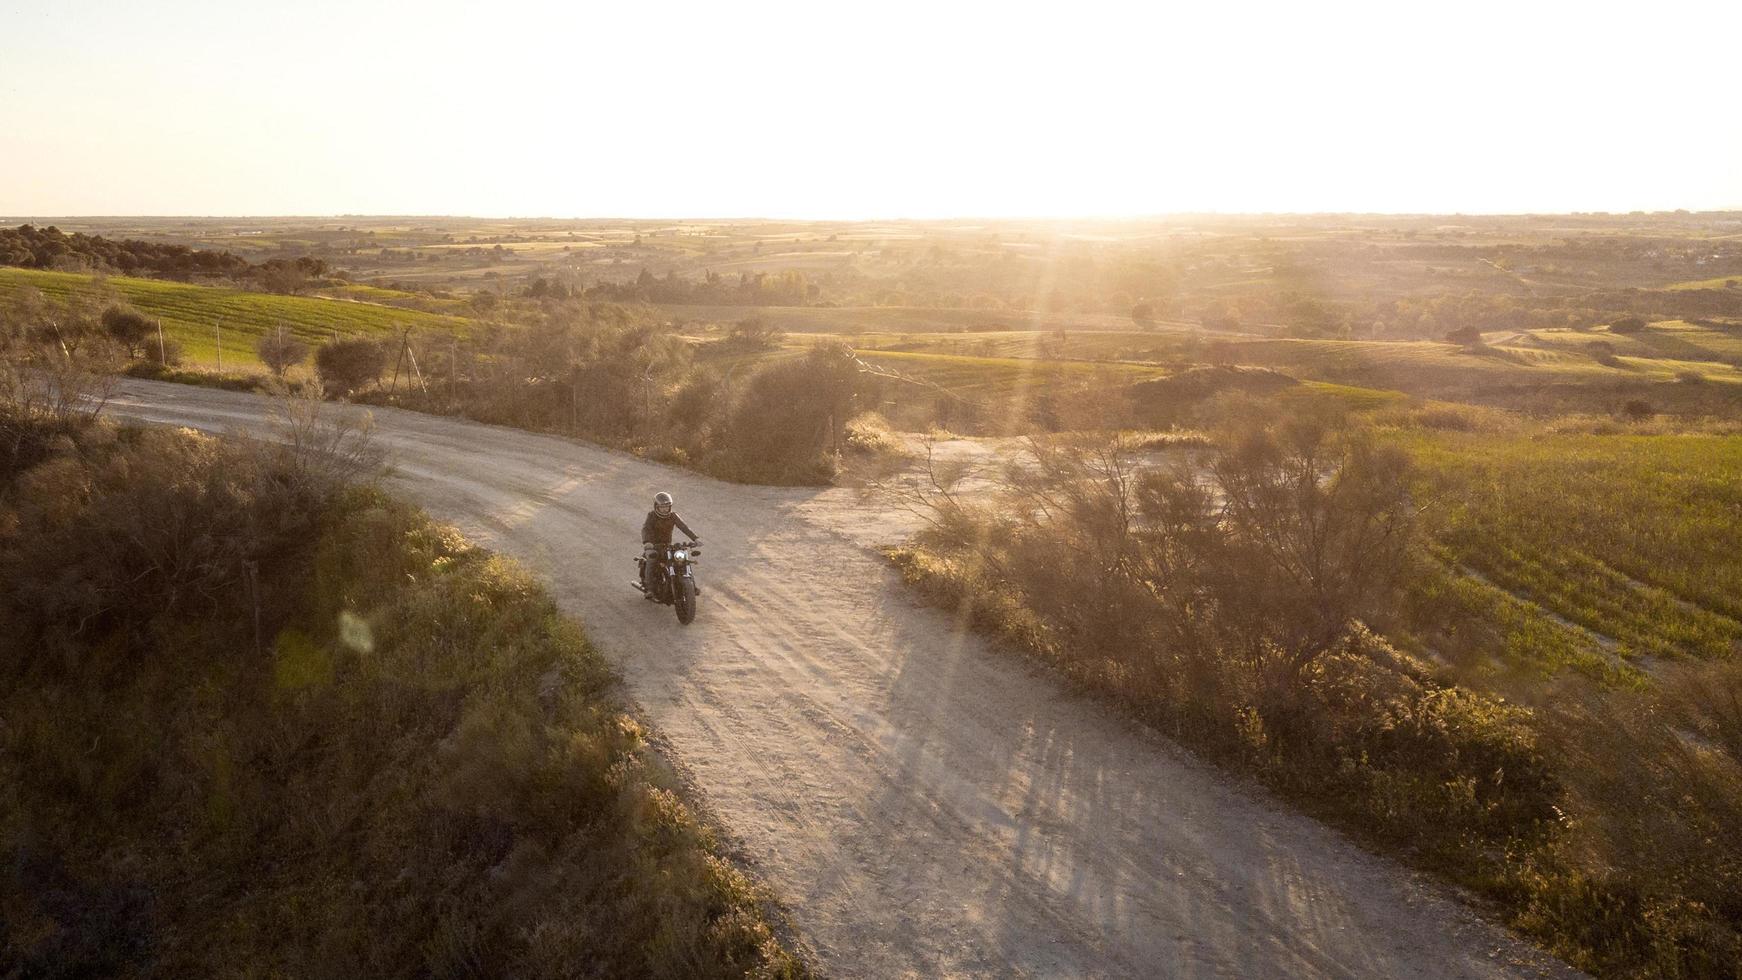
pixel 657 529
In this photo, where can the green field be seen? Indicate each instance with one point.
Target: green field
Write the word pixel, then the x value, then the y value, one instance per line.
pixel 1000 376
pixel 357 292
pixel 189 313
pixel 874 319
pixel 1628 546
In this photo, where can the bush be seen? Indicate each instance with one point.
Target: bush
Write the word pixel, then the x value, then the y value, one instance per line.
pixel 280 351
pixel 1627 325
pixel 1690 377
pixel 697 404
pixel 786 426
pixel 1465 336
pixel 128 327
pixel 163 352
pixel 1638 410
pixel 755 333
pixel 869 434
pixel 347 365
pixel 47 392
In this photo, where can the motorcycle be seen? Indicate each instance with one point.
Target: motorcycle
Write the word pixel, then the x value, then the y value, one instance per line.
pixel 673 578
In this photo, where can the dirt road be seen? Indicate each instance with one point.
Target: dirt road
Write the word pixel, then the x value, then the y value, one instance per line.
pixel 926 806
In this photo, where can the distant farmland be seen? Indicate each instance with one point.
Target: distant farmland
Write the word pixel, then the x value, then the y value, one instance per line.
pixel 872 319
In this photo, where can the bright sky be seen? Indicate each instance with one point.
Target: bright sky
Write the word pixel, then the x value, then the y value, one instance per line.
pixel 865 110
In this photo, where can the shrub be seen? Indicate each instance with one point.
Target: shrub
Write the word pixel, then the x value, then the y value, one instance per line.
pixel 163 352
pixel 868 433
pixel 128 327
pixel 1638 409
pixel 347 365
pixel 1143 315
pixel 787 423
pixel 1449 418
pixel 1627 325
pixel 697 404
pixel 1465 336
pixel 1690 377
pixel 755 333
pixel 280 351
pixel 48 391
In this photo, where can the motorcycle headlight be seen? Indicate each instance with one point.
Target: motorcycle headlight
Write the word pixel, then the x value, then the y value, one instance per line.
pixel 680 555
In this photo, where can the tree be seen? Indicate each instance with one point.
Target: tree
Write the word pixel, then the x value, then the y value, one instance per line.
pixel 128 326
pixel 280 351
pixel 1304 531
pixel 1465 336
pixel 346 365
pixel 789 417
pixel 283 277
pixel 1143 314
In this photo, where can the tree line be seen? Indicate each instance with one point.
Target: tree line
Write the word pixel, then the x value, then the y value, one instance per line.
pixel 30 247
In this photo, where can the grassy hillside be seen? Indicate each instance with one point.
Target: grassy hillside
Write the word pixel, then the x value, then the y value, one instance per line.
pixel 1665 339
pixel 188 313
pixel 250 726
pixel 1674 366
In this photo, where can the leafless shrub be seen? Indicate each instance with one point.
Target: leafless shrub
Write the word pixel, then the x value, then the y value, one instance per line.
pixel 45 388
pixel 325 445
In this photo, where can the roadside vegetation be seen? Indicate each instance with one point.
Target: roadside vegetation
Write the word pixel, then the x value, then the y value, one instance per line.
pixel 1298 605
pixel 258 715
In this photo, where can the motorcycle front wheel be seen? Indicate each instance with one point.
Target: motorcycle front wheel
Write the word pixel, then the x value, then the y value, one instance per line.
pixel 685 600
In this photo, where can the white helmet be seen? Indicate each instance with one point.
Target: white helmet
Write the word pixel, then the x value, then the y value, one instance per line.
pixel 662 499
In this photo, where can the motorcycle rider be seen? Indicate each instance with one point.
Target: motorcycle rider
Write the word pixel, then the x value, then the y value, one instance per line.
pixel 656 536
